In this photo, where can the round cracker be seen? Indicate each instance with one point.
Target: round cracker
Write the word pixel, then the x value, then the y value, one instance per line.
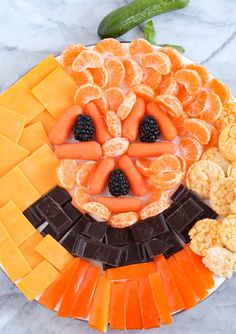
pixel 222 195
pixel 215 155
pixel 228 232
pixel 227 142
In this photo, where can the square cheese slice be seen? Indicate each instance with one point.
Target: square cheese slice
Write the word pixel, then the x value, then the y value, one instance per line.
pixel 33 137
pixel 16 224
pixel 56 92
pixel 11 123
pixel 11 154
pixel 14 186
pixel 54 252
pixel 20 99
pixel 40 71
pixel 4 235
pixel 28 249
pixel 46 119
pixel 13 261
pixel 38 280
pixel 40 168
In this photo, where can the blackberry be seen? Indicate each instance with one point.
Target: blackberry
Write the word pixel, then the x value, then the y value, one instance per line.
pixel 118 184
pixel 84 129
pixel 149 130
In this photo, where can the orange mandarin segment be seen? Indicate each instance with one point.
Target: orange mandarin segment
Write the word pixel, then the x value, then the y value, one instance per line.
pixel 126 106
pixel 84 171
pixel 69 54
pixel 185 98
pixel 102 104
pixel 113 123
pixel 143 166
pixel 99 76
pixel 115 70
pixel 115 146
pixel 109 47
pixel 190 79
pixel 139 47
pixel 199 129
pixel 168 85
pixel 133 72
pixel 66 173
pixel 197 107
pixel 213 108
pixel 171 104
pixel 202 71
pixel 82 78
pixel 98 210
pixel 190 148
pixel 87 93
pixel 143 91
pixel 80 197
pixel 87 59
pixel 175 57
pixel 115 96
pixel 153 208
pixel 219 88
pixel 125 219
pixel 213 142
pixel 158 61
pixel 151 78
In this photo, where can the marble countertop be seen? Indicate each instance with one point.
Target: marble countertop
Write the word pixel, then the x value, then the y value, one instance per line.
pixel 29 30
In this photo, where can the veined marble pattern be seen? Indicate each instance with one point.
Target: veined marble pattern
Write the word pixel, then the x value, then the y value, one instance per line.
pixel 29 30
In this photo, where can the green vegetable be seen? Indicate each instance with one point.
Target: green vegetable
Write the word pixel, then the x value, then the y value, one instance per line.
pixel 150 33
pixel 127 17
pixel 177 47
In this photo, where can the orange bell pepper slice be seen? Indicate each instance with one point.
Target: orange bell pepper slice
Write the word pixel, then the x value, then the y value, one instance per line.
pixel 132 271
pixel 117 306
pixel 132 306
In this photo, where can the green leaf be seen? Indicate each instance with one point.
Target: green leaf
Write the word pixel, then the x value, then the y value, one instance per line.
pixel 177 47
pixel 149 32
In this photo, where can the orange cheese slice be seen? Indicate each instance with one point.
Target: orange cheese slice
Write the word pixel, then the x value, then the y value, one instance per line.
pixel 16 224
pixel 13 261
pixel 11 123
pixel 40 71
pixel 38 280
pixel 46 119
pixel 40 168
pixel 14 186
pixel 4 235
pixel 11 154
pixel 56 92
pixel 54 253
pixel 19 98
pixel 28 249
pixel 33 137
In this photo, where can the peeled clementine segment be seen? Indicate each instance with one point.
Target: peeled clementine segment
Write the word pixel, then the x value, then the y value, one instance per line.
pixel 190 148
pixel 185 98
pixel 175 57
pixel 199 129
pixel 109 47
pixel 190 79
pixel 113 123
pixel 102 103
pixel 80 197
pixel 126 106
pixel 171 104
pixel 168 85
pixel 84 171
pixel 133 72
pixel 219 88
pixel 98 210
pixel 153 209
pixel 183 165
pixel 151 78
pixel 202 71
pixel 157 194
pixel 143 166
pixel 87 59
pixel 115 146
pixel 66 173
pixel 166 181
pixel 69 54
pixel 125 219
pixel 143 91
pixel 87 93
pixel 115 70
pixel 139 47
pixel 99 76
pixel 213 108
pixel 197 107
pixel 159 61
pixel 81 78
pixel 179 124
pixel 213 142
pixel 115 96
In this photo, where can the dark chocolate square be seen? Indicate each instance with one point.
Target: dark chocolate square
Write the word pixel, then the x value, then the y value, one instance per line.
pixel 60 196
pixel 118 236
pixel 156 247
pixel 35 219
pixel 69 241
pixel 72 212
pixel 95 230
pixel 171 239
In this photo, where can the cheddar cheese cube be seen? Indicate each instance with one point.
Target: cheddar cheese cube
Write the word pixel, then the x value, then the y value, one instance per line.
pixel 28 249
pixel 33 137
pixel 11 123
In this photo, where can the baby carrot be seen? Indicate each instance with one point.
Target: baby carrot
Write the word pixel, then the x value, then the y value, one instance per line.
pixel 167 127
pixel 100 177
pixel 121 204
pixel 136 181
pixel 63 127
pixel 143 150
pixel 102 133
pixel 117 306
pixel 89 150
pixel 130 125
pixel 132 309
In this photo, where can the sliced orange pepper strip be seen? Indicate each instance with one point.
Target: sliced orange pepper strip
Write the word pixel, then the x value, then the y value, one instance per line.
pixel 149 311
pixel 72 288
pixel 83 298
pixel 99 312
pixel 132 271
pixel 117 306
pixel 174 297
pixel 132 306
pixel 183 284
pixel 54 292
pixel 191 273
pixel 160 298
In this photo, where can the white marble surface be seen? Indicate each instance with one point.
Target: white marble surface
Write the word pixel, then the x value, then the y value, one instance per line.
pixel 29 30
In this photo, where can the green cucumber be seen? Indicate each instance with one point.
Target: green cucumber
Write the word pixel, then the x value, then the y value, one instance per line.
pixel 127 17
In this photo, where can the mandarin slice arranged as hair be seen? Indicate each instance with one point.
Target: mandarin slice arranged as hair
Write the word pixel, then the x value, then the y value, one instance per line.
pixel 109 47
pixel 99 75
pixel 82 78
pixel 143 91
pixel 199 129
pixel 87 59
pixel 171 104
pixel 197 107
pixel 190 79
pixel 87 93
pixel 133 72
pixel 213 108
pixel 157 61
pixel 201 70
pixel 190 148
pixel 69 54
pixel 151 78
pixel 175 57
pixel 115 96
pixel 219 88
pixel 115 70
pixel 168 85
pixel 66 173
pixel 139 47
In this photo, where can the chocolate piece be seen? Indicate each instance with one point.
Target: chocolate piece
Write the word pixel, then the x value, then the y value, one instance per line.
pixel 33 217
pixel 149 228
pixel 170 210
pixel 95 230
pixel 118 236
pixel 156 247
pixel 60 196
pixel 72 212
pixel 54 215
pixel 93 250
pixel 171 239
pixel 69 241
pixel 133 253
pixel 49 230
pixel 187 213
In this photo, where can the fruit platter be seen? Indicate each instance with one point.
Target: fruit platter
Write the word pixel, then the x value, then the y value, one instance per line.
pixel 118 184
